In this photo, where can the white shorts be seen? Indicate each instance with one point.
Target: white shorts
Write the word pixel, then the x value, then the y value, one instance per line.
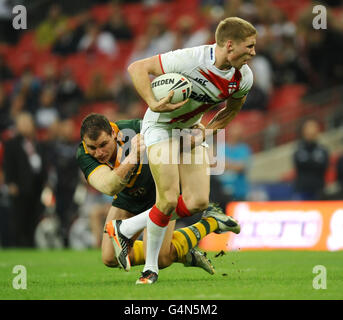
pixel 155 132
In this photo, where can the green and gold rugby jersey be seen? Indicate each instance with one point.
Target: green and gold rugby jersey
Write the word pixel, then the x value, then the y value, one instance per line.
pixel 139 194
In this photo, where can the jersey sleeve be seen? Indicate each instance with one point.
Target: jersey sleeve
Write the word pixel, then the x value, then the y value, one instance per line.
pixel 178 60
pixel 246 82
pixel 86 162
pixel 134 124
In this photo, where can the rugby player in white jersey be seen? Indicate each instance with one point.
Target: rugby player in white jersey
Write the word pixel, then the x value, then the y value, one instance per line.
pixel 219 73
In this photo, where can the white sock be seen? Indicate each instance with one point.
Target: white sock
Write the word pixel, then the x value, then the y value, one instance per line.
pixel 129 227
pixel 155 238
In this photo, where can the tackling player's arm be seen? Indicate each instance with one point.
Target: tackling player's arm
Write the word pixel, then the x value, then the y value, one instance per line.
pixel 109 181
pixel 139 72
pixel 112 181
pixel 227 114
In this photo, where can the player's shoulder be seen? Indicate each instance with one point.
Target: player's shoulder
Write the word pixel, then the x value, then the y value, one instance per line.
pixel 246 72
pixel 205 48
pixel 82 153
pixel 247 76
pixel 85 161
pixel 191 56
pixel 246 82
pixel 201 53
pixel 80 150
pixel 133 124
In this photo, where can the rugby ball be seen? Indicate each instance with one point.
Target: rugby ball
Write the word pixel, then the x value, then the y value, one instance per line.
pixel 162 85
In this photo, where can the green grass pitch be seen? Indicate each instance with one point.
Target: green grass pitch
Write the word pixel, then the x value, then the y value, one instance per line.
pixel 67 274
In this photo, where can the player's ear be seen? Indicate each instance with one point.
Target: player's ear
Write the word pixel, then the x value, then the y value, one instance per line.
pixel 229 45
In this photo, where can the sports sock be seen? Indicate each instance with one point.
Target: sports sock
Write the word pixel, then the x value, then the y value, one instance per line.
pixel 156 229
pixel 129 227
pixel 181 209
pixel 138 253
pixel 187 238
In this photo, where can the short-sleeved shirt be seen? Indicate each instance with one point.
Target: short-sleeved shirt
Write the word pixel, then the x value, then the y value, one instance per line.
pixel 211 86
pixel 139 194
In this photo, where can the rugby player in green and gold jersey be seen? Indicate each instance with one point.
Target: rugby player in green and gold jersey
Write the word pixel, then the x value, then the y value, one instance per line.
pixel 111 156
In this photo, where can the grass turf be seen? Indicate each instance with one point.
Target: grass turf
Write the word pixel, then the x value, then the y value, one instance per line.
pixel 67 274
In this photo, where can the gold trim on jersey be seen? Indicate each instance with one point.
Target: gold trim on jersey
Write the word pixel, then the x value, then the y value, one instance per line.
pixel 84 147
pixel 118 133
pixel 135 176
pixel 120 154
pixel 118 157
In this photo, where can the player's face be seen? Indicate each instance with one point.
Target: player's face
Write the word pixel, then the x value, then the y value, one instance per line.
pixel 240 52
pixel 103 148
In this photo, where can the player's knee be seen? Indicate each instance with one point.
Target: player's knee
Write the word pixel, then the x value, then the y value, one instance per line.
pixel 168 203
pixel 197 205
pixel 110 262
pixel 164 261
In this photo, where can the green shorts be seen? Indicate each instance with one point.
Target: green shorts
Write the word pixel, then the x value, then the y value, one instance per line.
pixel 133 205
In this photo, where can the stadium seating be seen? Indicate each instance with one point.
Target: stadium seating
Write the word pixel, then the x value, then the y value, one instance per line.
pixel 284 105
pixel 291 7
pixel 286 95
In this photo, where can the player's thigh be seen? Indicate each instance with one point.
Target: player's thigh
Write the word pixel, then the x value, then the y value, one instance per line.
pixel 195 179
pixel 107 246
pixel 164 169
pixel 165 248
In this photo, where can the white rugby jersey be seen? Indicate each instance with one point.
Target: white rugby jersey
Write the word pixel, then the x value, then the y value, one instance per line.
pixel 211 86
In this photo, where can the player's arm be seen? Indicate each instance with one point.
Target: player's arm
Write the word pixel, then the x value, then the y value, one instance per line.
pixel 111 182
pixel 139 72
pixel 220 120
pixel 227 114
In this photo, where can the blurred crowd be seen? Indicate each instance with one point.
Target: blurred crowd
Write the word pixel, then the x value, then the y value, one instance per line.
pixel 78 65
